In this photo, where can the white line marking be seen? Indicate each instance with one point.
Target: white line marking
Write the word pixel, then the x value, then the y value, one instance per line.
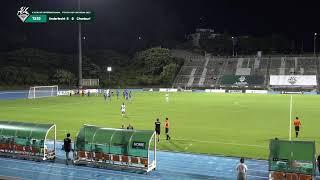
pixel 12 92
pixel 188 147
pixel 66 131
pixel 74 168
pixel 39 172
pixel 217 142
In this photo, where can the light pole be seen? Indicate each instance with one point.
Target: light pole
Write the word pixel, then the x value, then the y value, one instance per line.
pixel 314 43
pixel 80 49
pixel 232 46
pixel 109 69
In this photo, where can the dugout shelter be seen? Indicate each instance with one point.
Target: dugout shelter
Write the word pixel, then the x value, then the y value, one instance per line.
pixel 108 147
pixel 27 140
pixel 292 160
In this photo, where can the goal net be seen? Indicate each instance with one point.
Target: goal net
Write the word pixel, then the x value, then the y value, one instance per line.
pixel 42 91
pixel 90 82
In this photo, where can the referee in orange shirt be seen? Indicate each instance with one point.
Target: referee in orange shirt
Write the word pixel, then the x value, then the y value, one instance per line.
pixel 167 126
pixel 297 124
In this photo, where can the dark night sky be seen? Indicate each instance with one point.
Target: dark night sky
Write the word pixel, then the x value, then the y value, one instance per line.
pixel 119 23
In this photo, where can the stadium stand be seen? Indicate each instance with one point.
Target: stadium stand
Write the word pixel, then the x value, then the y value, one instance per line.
pixel 192 69
pixel 207 71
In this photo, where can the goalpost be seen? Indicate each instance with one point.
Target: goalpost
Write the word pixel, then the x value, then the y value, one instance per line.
pixel 42 91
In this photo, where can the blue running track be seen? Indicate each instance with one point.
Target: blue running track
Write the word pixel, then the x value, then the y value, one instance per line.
pixel 13 94
pixel 170 165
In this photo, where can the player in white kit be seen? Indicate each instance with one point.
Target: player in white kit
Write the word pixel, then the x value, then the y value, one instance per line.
pixel 123 110
pixel 167 97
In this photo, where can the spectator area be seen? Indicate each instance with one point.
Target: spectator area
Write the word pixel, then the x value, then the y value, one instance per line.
pixel 208 71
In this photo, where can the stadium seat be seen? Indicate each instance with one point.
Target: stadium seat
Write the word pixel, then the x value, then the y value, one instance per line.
pixel 292 176
pixel 34 150
pixel 27 149
pixel 125 159
pixel 106 157
pixel 115 158
pixel 278 175
pixel 2 147
pixel 19 149
pixel 98 156
pixel 144 161
pixel 81 155
pixel 7 147
pixel 305 177
pixel 135 160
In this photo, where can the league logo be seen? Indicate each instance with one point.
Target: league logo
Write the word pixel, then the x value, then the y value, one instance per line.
pixel 242 79
pixel 242 82
pixel 23 13
pixel 292 80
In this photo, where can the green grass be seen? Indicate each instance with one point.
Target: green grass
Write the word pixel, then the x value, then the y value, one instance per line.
pixel 226 124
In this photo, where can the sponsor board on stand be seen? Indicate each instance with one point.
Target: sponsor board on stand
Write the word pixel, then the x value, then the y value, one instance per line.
pixel 242 80
pixel 65 93
pixel 256 91
pixel 215 91
pixel 168 90
pixel 91 90
pixel 235 91
pixel 293 80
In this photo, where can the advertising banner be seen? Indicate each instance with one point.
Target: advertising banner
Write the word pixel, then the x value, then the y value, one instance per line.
pixel 257 91
pixel 295 80
pixel 215 90
pixel 242 80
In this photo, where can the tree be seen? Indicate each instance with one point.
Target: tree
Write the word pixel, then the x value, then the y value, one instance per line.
pixel 8 75
pixel 26 76
pixel 63 77
pixel 90 69
pixel 153 60
pixel 168 73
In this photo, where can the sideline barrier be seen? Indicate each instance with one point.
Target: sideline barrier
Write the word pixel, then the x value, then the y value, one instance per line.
pixel 215 90
pixel 65 93
pixel 310 93
pixel 27 140
pixel 274 92
pixel 131 149
pixel 288 92
pixel 257 91
pixel 94 91
pixel 235 91
pixel 168 90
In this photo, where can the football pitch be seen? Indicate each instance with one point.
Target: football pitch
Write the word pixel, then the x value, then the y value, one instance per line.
pixel 224 124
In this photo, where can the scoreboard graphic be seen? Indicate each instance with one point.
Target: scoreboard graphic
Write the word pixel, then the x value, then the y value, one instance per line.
pixel 27 16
